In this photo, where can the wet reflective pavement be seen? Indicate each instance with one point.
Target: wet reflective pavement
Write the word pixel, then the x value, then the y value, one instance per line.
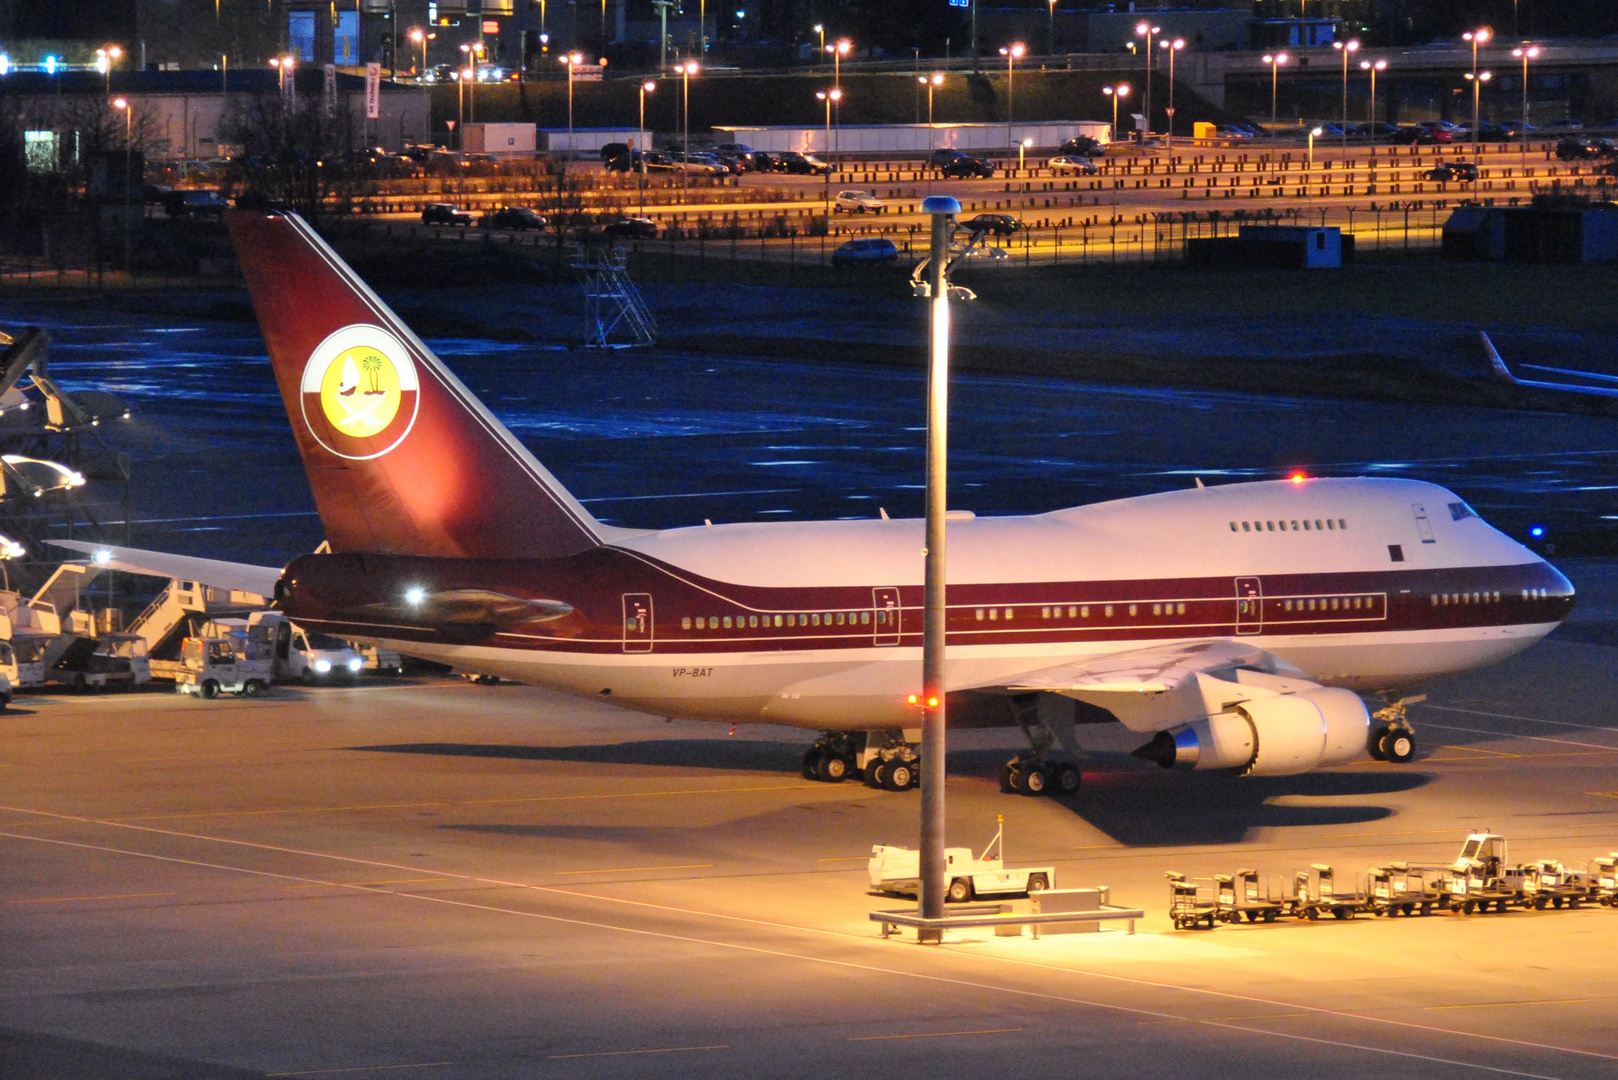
pixel 656 438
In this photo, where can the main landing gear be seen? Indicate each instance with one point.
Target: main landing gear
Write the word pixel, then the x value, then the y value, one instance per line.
pixel 1034 772
pixel 885 759
pixel 1391 736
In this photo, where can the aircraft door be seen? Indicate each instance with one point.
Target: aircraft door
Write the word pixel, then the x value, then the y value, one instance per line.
pixel 1423 526
pixel 886 601
pixel 1249 605
pixel 637 622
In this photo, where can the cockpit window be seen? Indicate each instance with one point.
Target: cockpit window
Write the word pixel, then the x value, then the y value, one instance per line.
pixel 1459 510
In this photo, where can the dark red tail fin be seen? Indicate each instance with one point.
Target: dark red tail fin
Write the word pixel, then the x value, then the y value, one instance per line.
pixel 402 458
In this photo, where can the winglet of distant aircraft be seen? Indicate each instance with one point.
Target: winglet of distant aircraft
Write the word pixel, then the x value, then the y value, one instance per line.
pixel 1503 374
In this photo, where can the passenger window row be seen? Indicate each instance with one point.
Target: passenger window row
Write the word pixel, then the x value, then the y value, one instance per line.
pixel 1330 603
pixel 1536 594
pixel 1446 599
pixel 758 622
pixel 1295 525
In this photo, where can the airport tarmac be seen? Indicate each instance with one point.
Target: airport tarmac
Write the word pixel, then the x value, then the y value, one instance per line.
pixel 436 879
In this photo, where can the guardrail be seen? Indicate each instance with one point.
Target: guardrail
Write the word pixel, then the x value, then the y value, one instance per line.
pixel 979 916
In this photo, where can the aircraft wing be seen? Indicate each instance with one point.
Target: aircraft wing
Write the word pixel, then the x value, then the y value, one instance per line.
pixel 1153 670
pixel 240 577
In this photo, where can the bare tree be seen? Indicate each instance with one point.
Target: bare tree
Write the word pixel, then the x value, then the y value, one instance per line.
pixel 297 151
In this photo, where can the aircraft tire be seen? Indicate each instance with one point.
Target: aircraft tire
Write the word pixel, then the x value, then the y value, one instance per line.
pixel 1068 779
pixel 1008 779
pixel 810 765
pixel 832 768
pixel 1035 781
pixel 1374 743
pixel 874 773
pixel 1399 745
pixel 899 776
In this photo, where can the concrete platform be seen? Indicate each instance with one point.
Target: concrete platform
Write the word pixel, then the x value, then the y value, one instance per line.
pixel 451 881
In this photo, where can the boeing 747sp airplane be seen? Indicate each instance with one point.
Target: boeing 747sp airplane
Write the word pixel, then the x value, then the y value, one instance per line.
pixel 1230 627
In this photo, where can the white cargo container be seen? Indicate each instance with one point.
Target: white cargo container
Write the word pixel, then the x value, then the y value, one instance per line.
pixel 500 139
pixel 915 140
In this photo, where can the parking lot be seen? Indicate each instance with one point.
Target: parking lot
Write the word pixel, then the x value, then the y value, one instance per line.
pixel 467 881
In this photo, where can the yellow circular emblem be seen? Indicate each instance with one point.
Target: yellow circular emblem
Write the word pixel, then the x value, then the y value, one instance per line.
pixel 360 391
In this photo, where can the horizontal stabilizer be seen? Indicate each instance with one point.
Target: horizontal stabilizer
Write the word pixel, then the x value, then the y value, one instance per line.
pixel 238 577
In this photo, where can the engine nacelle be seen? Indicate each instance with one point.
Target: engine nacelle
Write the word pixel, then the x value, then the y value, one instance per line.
pixel 1270 736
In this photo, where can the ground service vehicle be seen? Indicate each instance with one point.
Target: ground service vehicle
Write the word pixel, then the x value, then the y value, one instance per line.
pixel 299 654
pixel 1480 879
pixel 221 665
pixel 897 870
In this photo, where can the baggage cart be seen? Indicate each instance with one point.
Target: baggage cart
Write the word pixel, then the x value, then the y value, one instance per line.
pixel 1549 884
pixel 1604 879
pixel 1187 909
pixel 1315 893
pixel 1241 895
pixel 1401 889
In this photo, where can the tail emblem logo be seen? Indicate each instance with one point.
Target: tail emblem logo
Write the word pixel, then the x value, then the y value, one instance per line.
pixel 360 392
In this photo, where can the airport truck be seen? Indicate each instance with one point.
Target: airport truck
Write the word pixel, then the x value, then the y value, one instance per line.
pixel 299 654
pixel 222 665
pixel 897 871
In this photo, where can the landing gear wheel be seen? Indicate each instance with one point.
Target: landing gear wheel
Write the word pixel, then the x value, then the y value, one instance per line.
pixel 1035 781
pixel 898 776
pixel 1398 745
pixel 831 768
pixel 959 891
pixel 1010 779
pixel 1067 779
pixel 875 773
pixel 1374 744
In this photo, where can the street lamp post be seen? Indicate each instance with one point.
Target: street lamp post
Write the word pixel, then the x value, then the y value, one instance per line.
pixel 1117 93
pixel 1314 133
pixel 418 36
pixel 1373 66
pixel 931 82
pixel 129 166
pixel 1346 47
pixel 838 49
pixel 1022 151
pixel 932 856
pixel 1013 52
pixel 105 58
pixel 572 60
pixel 1050 31
pixel 647 87
pixel 1146 30
pixel 686 70
pixel 820 28
pixel 1525 55
pixel 1477 82
pixel 1275 61
pixel 832 97
pixel 1173 47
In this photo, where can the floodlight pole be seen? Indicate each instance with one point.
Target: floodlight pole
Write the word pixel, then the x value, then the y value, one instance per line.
pixel 942 209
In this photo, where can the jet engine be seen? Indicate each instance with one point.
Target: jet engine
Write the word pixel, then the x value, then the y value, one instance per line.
pixel 1269 736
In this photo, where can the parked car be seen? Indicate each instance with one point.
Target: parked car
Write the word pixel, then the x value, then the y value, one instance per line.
pixel 763 162
pixel 803 164
pixel 1068 163
pixel 698 164
pixel 857 202
pixel 1570 148
pixel 943 156
pixel 655 161
pixel 1083 146
pixel 736 150
pixel 612 150
pixel 998 224
pixel 439 213
pixel 968 168
pixel 634 228
pixel 514 217
pixel 1451 171
pixel 865 250
pixel 196 203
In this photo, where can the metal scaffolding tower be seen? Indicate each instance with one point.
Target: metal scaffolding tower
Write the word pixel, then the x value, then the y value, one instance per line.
pixel 618 316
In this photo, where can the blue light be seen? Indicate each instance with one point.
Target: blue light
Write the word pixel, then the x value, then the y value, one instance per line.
pixel 1536 531
pixel 50 65
pixel 5 64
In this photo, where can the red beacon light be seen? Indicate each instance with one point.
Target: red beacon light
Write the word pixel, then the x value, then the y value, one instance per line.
pixel 915 701
pixel 1298 477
